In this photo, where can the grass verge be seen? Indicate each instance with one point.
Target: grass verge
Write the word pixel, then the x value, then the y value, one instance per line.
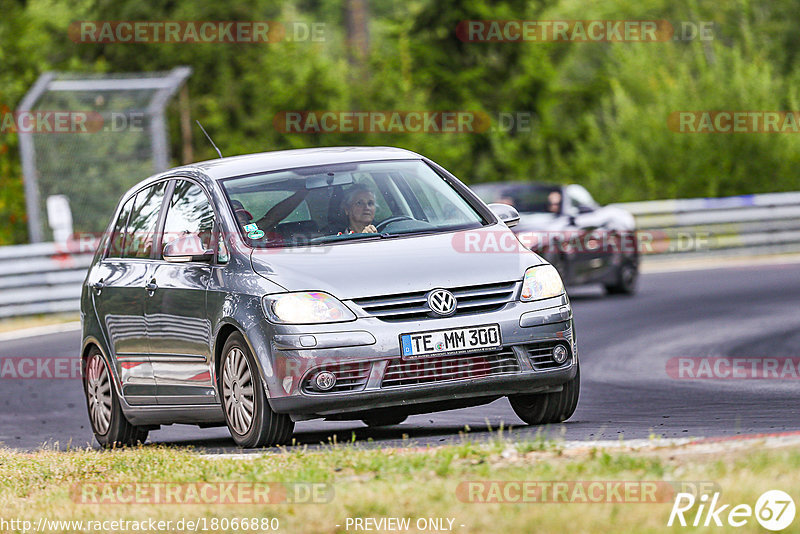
pixel 32 321
pixel 378 483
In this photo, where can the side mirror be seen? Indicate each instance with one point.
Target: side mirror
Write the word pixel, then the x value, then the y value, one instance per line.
pixel 508 214
pixel 186 249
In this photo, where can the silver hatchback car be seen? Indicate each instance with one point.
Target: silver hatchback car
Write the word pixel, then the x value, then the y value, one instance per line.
pixel 341 283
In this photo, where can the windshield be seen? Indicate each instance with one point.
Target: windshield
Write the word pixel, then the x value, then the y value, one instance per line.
pixel 345 202
pixel 526 198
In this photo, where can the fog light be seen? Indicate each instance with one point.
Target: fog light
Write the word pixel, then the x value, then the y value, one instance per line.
pixel 325 380
pixel 560 353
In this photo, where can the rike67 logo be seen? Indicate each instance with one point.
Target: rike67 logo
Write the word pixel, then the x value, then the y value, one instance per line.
pixel 774 510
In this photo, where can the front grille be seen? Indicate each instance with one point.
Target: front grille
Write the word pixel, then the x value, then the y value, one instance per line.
pixel 439 369
pixel 541 355
pixel 414 306
pixel 349 377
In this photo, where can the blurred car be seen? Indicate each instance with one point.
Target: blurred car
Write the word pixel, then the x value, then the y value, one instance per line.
pixel 198 309
pixel 586 242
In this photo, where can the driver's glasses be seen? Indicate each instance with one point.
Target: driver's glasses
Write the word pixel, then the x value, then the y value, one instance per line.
pixel 362 203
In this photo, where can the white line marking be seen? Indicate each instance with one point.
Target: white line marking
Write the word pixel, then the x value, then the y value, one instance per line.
pixel 40 331
pixel 705 264
pixel 675 445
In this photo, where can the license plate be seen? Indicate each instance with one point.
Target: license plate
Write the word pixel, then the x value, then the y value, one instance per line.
pixel 451 341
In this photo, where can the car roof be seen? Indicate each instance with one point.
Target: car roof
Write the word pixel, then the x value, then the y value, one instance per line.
pixel 217 169
pixel 517 184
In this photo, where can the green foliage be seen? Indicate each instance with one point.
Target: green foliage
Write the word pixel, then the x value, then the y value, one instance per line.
pixel 599 110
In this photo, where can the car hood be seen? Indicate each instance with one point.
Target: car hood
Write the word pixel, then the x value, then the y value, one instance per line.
pixel 541 221
pixel 399 265
pixel 609 217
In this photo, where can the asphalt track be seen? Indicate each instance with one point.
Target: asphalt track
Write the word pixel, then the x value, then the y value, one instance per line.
pixel 624 346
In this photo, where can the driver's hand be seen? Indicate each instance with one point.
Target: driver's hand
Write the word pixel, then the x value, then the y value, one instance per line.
pixel 370 229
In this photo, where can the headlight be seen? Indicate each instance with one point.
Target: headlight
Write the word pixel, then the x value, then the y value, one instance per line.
pixel 541 282
pixel 306 308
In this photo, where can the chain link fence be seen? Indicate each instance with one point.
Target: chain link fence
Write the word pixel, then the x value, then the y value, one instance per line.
pixel 90 138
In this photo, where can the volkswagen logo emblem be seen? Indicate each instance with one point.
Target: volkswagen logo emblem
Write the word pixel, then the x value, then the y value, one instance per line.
pixel 442 302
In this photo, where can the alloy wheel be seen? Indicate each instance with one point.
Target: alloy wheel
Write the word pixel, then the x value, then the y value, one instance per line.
pixel 98 390
pixel 237 391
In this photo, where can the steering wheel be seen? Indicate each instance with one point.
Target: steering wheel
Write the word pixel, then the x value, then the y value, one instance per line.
pixel 386 222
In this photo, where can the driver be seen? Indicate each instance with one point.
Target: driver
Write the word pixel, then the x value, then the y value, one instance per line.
pixel 554 202
pixel 359 208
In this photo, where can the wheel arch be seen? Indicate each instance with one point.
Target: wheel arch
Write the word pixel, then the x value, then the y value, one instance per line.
pixel 223 333
pixel 90 343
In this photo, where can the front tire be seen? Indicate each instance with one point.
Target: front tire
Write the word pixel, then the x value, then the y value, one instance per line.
pixel 557 260
pixel 626 282
pixel 548 408
pixel 251 421
pixel 110 427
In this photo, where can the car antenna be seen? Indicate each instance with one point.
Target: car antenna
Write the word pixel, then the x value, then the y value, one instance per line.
pixel 209 138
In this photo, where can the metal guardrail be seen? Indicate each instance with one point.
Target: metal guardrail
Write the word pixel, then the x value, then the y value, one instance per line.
pixel 42 279
pixel 747 224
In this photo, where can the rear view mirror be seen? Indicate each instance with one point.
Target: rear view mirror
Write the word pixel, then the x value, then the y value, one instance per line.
pixel 508 214
pixel 320 181
pixel 186 249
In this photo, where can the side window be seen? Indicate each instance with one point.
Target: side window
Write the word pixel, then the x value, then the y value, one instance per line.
pixel 118 231
pixel 189 213
pixel 140 234
pixel 259 204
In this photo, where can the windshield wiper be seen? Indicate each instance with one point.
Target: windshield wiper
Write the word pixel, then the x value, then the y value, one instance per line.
pixel 412 233
pixel 362 237
pixel 346 237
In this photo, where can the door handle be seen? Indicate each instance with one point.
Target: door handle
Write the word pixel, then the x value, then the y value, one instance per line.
pixel 98 286
pixel 151 287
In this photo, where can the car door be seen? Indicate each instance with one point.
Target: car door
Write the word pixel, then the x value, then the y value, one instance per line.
pixel 593 258
pixel 175 304
pixel 118 288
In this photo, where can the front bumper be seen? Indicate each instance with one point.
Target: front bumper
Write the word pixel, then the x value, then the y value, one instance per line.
pixel 450 391
pixel 293 354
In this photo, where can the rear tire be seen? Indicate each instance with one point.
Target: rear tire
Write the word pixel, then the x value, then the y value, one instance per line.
pixel 547 408
pixel 110 427
pixel 251 421
pixel 384 420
